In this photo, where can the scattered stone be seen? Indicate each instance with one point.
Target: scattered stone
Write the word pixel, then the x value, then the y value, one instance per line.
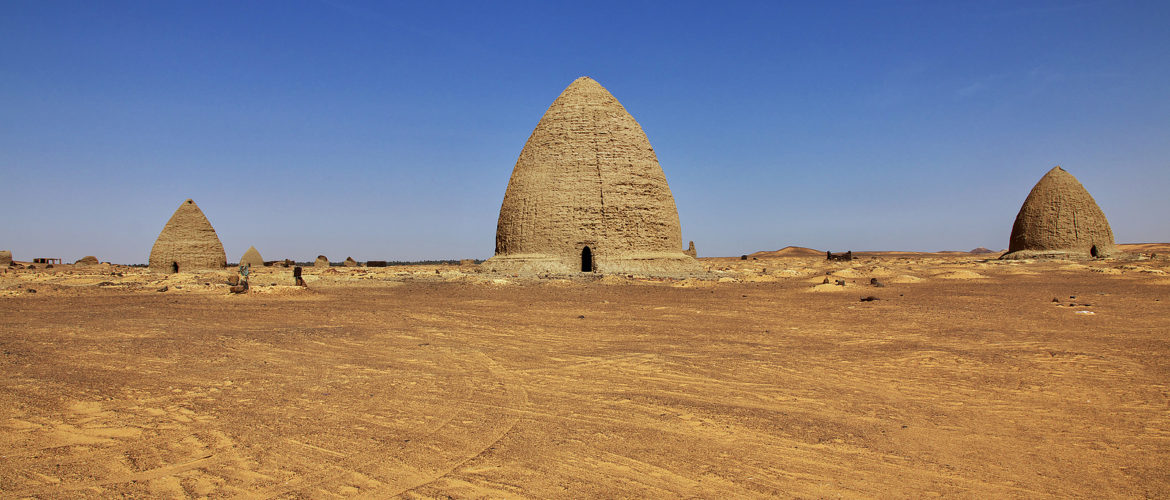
pixel 240 288
pixel 870 298
pixel 163 289
pixel 31 290
pixel 876 282
pixel 233 280
pixel 840 282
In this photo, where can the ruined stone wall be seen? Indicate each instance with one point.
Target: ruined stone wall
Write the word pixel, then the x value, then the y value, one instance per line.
pixel 5 257
pixel 322 261
pixel 189 240
pixel 1060 218
pixel 588 177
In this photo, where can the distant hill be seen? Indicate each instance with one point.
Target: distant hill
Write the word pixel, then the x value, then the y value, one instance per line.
pixel 789 251
pixel 1161 248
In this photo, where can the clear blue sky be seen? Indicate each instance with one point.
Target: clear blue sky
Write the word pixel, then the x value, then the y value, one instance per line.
pixel 388 131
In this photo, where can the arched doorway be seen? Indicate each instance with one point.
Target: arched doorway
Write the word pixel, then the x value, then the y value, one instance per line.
pixel 586 260
pixel 1093 251
pixel 174 267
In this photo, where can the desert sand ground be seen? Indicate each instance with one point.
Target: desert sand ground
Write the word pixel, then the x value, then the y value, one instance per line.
pixel 969 377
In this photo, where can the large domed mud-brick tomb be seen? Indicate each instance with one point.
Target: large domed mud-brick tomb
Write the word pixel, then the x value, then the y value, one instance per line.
pixel 1059 219
pixel 252 258
pixel 187 243
pixel 588 195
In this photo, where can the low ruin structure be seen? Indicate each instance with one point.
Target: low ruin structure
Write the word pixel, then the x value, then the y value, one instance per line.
pixel 847 256
pixel 321 261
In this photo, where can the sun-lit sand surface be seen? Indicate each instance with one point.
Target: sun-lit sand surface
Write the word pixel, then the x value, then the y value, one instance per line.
pixel 969 376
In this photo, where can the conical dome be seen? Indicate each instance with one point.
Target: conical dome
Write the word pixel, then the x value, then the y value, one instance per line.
pixel 1060 219
pixel 252 258
pixel 187 242
pixel 588 194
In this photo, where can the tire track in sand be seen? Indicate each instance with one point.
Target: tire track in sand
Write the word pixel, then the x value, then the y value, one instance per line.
pixel 470 430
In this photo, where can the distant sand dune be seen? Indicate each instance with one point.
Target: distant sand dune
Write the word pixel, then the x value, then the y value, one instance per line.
pixel 789 251
pixel 1144 247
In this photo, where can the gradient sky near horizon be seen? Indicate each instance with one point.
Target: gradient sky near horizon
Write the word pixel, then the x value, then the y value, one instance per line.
pixel 385 130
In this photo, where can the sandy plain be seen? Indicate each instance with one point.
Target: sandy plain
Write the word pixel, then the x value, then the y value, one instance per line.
pixel 968 377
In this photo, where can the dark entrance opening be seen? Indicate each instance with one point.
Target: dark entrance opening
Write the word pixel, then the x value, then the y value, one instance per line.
pixel 174 267
pixel 1093 251
pixel 586 260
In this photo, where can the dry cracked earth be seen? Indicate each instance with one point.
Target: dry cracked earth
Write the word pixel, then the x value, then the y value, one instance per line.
pixel 967 377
